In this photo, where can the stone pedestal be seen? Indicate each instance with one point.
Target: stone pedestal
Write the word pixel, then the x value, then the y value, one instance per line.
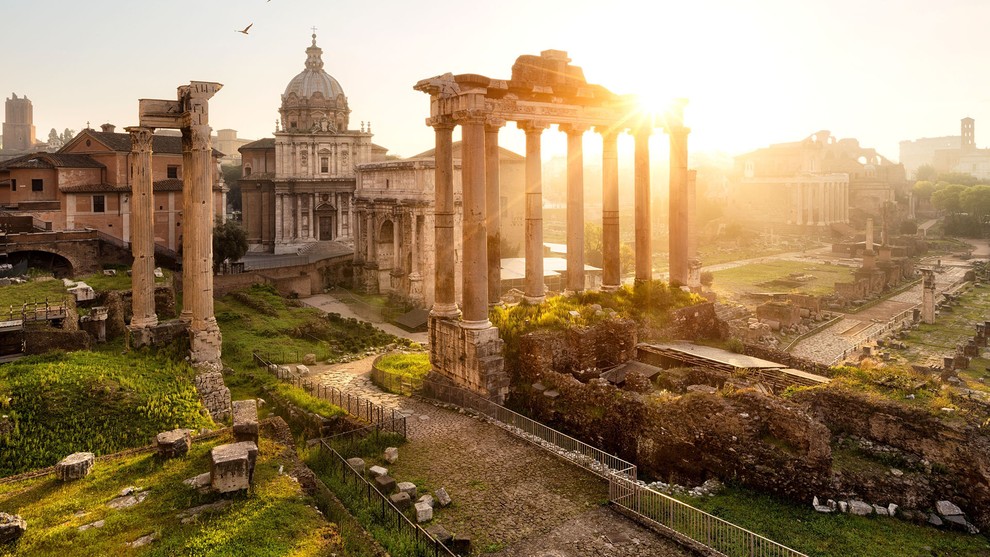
pixel 74 466
pixel 470 358
pixel 232 466
pixel 246 420
pixel 175 443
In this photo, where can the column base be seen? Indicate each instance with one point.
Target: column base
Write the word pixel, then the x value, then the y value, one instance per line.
pixel 137 323
pixel 610 287
pixel 534 300
pixel 157 335
pixel 445 311
pixel 483 324
pixel 204 345
pixel 470 358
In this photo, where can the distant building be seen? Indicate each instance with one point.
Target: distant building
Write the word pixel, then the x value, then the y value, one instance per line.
pixel 949 154
pixel 813 183
pixel 18 127
pixel 919 152
pixel 86 184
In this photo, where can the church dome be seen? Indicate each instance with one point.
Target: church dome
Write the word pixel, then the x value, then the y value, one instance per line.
pixel 314 100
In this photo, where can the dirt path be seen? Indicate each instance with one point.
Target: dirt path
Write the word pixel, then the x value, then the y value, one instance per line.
pixel 509 496
pixel 329 304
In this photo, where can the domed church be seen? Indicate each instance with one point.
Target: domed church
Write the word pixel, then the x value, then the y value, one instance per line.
pixel 298 187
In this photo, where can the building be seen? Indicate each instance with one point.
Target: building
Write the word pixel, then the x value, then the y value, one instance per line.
pixel 814 183
pixel 86 184
pixel 919 152
pixel 18 127
pixel 298 187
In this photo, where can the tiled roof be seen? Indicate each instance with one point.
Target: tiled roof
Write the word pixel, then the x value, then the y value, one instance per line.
pixel 93 188
pixel 164 144
pixel 266 143
pixel 52 160
pixel 170 184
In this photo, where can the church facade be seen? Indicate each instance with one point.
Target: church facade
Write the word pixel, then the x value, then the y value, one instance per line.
pixel 298 187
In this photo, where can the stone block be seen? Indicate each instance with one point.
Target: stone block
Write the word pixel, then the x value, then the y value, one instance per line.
pixel 461 544
pixel 424 513
pixel 408 488
pixel 385 484
pixel 377 471
pixel 439 533
pixel 860 508
pixel 175 443
pixel 357 464
pixel 309 359
pixel 12 527
pixel 301 369
pixel 246 420
pixel 428 499
pixel 401 500
pixel 74 466
pixel 391 455
pixel 200 482
pixel 442 498
pixel 232 466
pixel 882 511
pixel 947 508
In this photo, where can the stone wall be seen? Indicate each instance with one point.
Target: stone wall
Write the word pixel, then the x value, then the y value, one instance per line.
pixel 313 426
pixel 214 394
pixel 42 340
pixel 695 322
pixel 471 358
pixel 786 358
pixel 576 349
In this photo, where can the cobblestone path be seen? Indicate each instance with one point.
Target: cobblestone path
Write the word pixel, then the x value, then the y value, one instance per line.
pixel 509 496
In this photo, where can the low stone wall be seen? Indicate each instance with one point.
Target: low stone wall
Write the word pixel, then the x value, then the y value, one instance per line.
pixel 42 340
pixel 313 426
pixel 471 358
pixel 214 394
pixel 576 349
pixel 786 358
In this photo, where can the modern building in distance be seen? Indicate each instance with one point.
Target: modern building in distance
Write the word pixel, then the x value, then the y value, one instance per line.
pixel 18 128
pixel 949 154
pixel 814 183
pixel 298 187
pixel 919 152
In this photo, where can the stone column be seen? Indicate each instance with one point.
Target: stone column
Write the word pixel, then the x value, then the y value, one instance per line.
pixel 299 214
pixel 575 206
pixel 396 238
pixel 187 226
pixel 474 268
pixel 678 251
pixel 204 334
pixel 312 217
pixel 535 289
pixel 278 218
pixel 444 304
pixel 820 202
pixel 610 210
pixel 413 246
pixel 493 208
pixel 359 245
pixel 143 230
pixel 800 203
pixel 641 174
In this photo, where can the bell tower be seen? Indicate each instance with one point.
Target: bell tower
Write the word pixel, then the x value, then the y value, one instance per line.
pixel 18 124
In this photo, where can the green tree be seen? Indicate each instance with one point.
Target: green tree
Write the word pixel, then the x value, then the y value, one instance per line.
pixel 229 243
pixel 975 200
pixel 231 175
pixel 923 190
pixel 958 178
pixel 925 173
pixel 947 198
pixel 593 244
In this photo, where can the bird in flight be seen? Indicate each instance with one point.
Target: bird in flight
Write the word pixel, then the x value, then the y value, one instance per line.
pixel 245 30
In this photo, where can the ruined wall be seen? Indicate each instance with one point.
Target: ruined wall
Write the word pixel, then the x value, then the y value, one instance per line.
pixel 786 358
pixel 695 322
pixel 579 348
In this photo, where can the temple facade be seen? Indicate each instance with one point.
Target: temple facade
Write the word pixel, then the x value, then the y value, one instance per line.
pixel 298 187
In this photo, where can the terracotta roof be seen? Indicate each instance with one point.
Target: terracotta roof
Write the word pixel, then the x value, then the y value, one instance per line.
pixel 165 144
pixel 52 160
pixel 94 188
pixel 266 143
pixel 171 184
pixel 503 153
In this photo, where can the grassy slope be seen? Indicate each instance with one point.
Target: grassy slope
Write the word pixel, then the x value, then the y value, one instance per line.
pixel 100 402
pixel 276 519
pixel 415 365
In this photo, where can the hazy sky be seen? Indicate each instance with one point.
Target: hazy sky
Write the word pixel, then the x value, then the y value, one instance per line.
pixel 755 72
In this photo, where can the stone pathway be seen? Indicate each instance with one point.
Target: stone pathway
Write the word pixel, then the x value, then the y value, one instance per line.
pixel 330 304
pixel 509 496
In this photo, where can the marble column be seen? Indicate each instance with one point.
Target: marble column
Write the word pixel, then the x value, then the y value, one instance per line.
pixel 800 203
pixel 396 239
pixel 820 203
pixel 278 218
pixel 299 214
pixel 641 178
pixel 493 208
pixel 678 251
pixel 414 246
pixel 575 206
pixel 311 233
pixel 535 290
pixel 358 247
pixel 474 234
pixel 611 276
pixel 142 230
pixel 444 304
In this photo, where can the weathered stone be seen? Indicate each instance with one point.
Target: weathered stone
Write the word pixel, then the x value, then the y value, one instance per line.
pixel 190 515
pixel 442 498
pixel 357 464
pixel 947 508
pixel 385 484
pixel 74 466
pixel 461 544
pixel 439 533
pixel 892 509
pixel 377 471
pixel 301 369
pixel 408 488
pixel 428 499
pixel 128 499
pixel 401 500
pixel 232 466
pixel 97 524
pixel 214 394
pixel 391 455
pixel 246 420
pixel 201 482
pixel 143 540
pixel 12 526
pixel 882 511
pixel 934 520
pixel 309 359
pixel 843 506
pixel 424 512
pixel 959 522
pixel 860 508
pixel 174 443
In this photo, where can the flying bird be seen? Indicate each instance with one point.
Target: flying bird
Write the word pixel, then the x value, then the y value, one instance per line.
pixel 245 30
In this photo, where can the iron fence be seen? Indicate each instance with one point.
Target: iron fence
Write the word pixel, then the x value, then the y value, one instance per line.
pixel 355 487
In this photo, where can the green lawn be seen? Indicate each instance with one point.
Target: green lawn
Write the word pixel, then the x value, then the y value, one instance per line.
pixel 275 519
pixel 737 282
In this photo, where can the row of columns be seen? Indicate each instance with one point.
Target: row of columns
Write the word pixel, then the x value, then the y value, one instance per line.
pixel 820 203
pixel 289 208
pixel 480 227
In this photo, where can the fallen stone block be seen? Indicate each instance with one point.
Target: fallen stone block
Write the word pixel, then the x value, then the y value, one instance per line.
pixel 200 482
pixel 424 513
pixel 172 444
pixel 97 524
pixel 934 520
pixel 442 498
pixel 309 359
pixel 385 484
pixel 128 499
pixel 74 466
pixel 376 471
pixel 12 527
pixel 947 508
pixel 143 540
pixel 391 455
pixel 191 514
pixel 428 499
pixel 461 544
pixel 357 464
pixel 401 500
pixel 232 466
pixel 882 511
pixel 301 369
pixel 439 533
pixel 246 420
pixel 959 522
pixel 860 508
pixel 407 487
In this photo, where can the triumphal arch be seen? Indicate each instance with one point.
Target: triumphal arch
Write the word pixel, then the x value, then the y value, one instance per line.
pixel 543 90
pixel 189 113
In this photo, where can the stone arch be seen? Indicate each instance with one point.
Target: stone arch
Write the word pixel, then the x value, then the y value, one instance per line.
pixel 61 264
pixel 386 232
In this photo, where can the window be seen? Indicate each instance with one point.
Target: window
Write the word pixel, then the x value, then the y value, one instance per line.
pixel 172 172
pixel 37 184
pixel 324 164
pixel 247 170
pixel 99 204
pixel 13 184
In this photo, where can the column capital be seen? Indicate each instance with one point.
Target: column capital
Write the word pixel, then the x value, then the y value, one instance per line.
pixel 141 138
pixel 493 124
pixel 574 129
pixel 532 126
pixel 442 122
pixel 608 133
pixel 470 116
pixel 640 131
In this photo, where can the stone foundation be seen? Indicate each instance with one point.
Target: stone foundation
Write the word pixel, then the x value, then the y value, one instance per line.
pixel 204 344
pixel 160 334
pixel 471 358
pixel 214 394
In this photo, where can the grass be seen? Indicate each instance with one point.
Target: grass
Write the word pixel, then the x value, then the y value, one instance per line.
pixel 275 519
pixel 101 402
pixel 37 290
pixel 825 535
pixel 305 401
pixel 412 366
pixel 120 281
pixel 738 282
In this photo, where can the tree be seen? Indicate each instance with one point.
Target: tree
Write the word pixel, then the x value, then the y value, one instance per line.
pixel 975 200
pixel 947 198
pixel 229 243
pixel 593 244
pixel 958 178
pixel 231 175
pixel 925 173
pixel 923 190
pixel 54 141
pixel 67 135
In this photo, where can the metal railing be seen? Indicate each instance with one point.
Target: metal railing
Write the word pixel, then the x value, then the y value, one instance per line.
pixel 354 487
pixel 36 311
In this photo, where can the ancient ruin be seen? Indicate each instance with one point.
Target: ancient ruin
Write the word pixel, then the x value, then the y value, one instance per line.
pixel 542 91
